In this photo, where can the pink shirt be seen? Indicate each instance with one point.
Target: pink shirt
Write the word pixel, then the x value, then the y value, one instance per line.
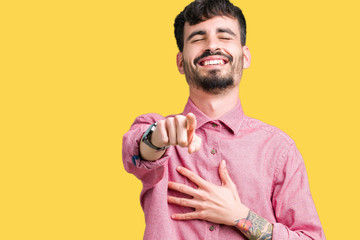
pixel 263 162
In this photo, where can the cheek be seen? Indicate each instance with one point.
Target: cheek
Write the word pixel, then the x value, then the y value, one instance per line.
pixel 239 59
pixel 186 58
pixel 191 54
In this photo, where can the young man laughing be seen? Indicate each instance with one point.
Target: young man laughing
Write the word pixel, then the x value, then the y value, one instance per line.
pixel 213 172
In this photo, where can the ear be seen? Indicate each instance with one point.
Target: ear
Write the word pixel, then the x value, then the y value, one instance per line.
pixel 180 62
pixel 246 56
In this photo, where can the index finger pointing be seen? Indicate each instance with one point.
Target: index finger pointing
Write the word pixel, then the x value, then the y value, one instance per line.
pixel 190 126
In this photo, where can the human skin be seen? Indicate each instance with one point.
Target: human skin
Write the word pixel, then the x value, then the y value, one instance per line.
pixel 218 204
pixel 216 34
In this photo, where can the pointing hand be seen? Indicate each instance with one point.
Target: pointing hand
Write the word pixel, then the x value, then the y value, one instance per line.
pixel 177 130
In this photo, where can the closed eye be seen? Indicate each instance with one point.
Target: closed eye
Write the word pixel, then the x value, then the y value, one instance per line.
pixel 197 40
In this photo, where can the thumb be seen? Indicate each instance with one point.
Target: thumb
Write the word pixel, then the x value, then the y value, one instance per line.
pixel 224 174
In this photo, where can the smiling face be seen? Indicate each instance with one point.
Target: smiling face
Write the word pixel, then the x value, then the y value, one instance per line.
pixel 213 57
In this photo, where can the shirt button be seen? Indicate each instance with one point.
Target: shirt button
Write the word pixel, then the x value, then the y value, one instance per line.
pixel 213 151
pixel 214 125
pixel 211 228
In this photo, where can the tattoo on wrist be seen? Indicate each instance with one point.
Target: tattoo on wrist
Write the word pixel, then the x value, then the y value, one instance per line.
pixel 255 227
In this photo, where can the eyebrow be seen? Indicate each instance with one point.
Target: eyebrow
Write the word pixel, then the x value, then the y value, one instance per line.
pixel 225 30
pixel 219 30
pixel 200 32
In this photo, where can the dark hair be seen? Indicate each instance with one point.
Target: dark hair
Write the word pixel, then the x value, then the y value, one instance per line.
pixel 201 10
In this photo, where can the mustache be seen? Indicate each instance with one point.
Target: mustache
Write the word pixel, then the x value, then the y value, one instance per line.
pixel 209 53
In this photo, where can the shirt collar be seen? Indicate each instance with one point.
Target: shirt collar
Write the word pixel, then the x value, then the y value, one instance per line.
pixel 231 119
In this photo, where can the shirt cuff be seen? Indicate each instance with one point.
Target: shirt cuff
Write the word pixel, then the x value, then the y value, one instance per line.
pixel 138 162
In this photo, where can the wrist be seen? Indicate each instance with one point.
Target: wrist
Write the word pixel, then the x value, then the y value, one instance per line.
pixel 241 213
pixel 147 138
pixel 254 226
pixel 149 154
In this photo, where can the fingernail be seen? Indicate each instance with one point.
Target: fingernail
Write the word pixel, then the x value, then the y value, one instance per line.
pixel 224 163
pixel 178 168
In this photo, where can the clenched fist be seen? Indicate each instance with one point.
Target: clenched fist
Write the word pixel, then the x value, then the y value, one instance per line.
pixel 177 130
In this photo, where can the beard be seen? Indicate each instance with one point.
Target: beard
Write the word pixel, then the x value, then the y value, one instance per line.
pixel 211 82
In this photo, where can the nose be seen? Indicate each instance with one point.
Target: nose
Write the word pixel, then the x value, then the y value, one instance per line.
pixel 212 44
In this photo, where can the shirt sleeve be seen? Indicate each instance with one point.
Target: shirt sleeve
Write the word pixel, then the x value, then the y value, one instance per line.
pixel 292 202
pixel 149 172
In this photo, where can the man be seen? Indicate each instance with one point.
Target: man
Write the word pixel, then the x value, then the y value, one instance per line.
pixel 212 172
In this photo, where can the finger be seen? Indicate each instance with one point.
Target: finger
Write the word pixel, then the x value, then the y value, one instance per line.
pixel 224 174
pixel 193 177
pixel 171 130
pixel 195 145
pixel 190 126
pixel 181 134
pixel 160 136
pixel 183 189
pixel 193 139
pixel 226 179
pixel 185 202
pixel 186 216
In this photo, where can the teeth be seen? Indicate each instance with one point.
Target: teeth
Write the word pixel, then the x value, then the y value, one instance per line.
pixel 213 62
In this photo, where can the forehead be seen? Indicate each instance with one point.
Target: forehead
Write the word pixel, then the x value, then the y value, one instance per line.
pixel 212 24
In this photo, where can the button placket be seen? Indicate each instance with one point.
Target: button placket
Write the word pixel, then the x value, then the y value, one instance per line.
pixel 214 143
pixel 213 151
pixel 215 126
pixel 212 231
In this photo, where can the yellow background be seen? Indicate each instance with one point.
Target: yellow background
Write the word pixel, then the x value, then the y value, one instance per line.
pixel 75 74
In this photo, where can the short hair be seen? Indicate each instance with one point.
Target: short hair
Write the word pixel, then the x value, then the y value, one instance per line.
pixel 202 10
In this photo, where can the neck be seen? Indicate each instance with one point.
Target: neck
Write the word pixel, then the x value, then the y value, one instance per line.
pixel 214 106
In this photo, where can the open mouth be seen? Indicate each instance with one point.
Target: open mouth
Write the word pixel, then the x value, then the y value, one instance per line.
pixel 208 59
pixel 213 62
pixel 210 62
